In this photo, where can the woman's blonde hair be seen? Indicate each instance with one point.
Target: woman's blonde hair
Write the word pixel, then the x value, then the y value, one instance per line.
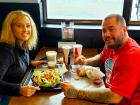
pixel 7 34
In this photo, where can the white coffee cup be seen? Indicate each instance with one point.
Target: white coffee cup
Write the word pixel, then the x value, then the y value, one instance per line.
pixel 52 64
pixel 77 50
pixel 66 52
pixel 51 55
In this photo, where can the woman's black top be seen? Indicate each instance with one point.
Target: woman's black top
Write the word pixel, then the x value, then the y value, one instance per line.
pixel 14 61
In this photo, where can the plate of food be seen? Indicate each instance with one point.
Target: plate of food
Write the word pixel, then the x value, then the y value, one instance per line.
pixel 47 79
pixel 92 73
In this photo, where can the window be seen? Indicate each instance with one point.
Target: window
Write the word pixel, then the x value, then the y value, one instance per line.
pixel 80 11
pixel 90 11
pixel 135 13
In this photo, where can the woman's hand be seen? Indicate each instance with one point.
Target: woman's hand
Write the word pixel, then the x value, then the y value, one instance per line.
pixel 37 63
pixel 69 90
pixel 80 60
pixel 28 90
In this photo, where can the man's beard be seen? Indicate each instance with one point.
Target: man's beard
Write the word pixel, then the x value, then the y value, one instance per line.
pixel 116 45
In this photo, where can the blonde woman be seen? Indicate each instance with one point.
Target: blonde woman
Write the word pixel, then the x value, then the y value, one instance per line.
pixel 18 36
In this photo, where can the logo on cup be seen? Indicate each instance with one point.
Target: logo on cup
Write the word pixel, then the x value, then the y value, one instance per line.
pixel 77 50
pixel 76 53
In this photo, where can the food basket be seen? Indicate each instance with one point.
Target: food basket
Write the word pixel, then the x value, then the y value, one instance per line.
pixel 28 78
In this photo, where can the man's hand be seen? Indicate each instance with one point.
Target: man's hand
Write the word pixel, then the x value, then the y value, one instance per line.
pixel 69 90
pixel 28 90
pixel 80 60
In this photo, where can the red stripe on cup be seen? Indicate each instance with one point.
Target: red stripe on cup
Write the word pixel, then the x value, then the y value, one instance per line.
pixel 75 53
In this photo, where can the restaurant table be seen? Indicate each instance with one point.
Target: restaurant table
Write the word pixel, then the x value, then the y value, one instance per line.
pixel 54 97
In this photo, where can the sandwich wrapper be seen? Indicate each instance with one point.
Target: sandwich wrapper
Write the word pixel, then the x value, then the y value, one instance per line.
pixel 93 73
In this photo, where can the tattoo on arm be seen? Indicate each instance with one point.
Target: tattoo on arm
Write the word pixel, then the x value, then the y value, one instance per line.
pixel 94 61
pixel 71 93
pixel 98 95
